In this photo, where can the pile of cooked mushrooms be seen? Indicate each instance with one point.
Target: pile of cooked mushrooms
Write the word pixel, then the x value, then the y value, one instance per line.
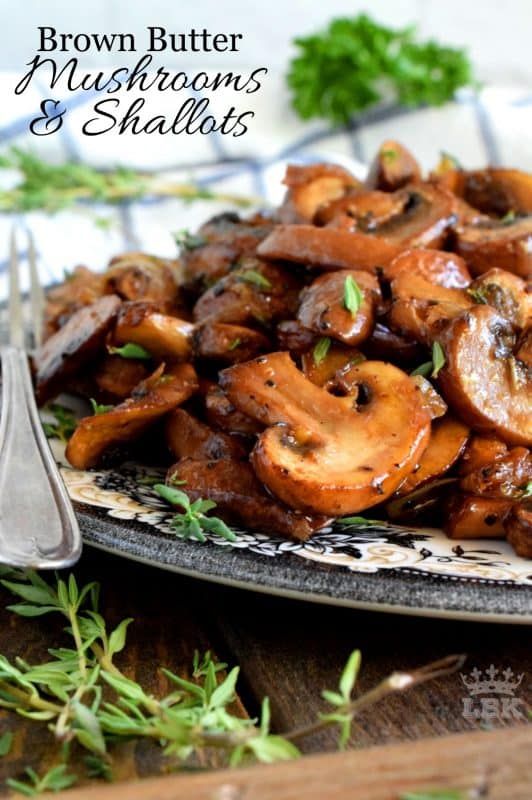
pixel 368 344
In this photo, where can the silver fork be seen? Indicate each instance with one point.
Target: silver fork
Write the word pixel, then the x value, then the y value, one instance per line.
pixel 38 527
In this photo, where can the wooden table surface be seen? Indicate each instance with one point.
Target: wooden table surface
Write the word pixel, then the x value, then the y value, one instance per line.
pixel 287 650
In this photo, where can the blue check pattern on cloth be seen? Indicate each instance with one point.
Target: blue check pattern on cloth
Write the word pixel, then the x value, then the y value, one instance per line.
pixel 492 127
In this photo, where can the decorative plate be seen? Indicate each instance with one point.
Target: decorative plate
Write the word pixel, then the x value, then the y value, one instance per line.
pixel 382 567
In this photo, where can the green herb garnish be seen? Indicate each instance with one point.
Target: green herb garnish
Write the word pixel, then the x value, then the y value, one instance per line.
pixel 234 344
pixel 508 218
pixel 52 187
pixel 478 295
pixel 321 349
pixel 434 794
pixel 353 295
pixel 362 522
pixel 82 696
pixel 130 350
pixel 430 369
pixel 527 490
pixel 100 408
pixel 255 278
pixel 189 241
pixel 192 523
pixel 356 63
pixel 65 423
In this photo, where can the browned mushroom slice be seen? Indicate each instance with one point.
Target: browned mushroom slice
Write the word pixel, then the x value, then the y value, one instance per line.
pixel 161 335
pixel 240 498
pixel 432 401
pixel 74 345
pixel 221 413
pixel 387 345
pixel 152 399
pixel 292 336
pixel 323 371
pixel 187 437
pixel 498 191
pixel 523 352
pixel 518 527
pixel 81 287
pixel 507 293
pixel 420 309
pixel 256 292
pixel 497 244
pixel 447 441
pixel 327 248
pixel 435 266
pixel 116 377
pixel 229 344
pixel 363 210
pixel 327 454
pixel 324 304
pixel 218 245
pixel 481 451
pixel 471 517
pixel 139 276
pixel 481 379
pixel 507 478
pixel 311 186
pixel 425 221
pixel 393 167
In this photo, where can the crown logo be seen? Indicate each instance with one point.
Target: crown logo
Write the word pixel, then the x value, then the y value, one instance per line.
pixel 491 681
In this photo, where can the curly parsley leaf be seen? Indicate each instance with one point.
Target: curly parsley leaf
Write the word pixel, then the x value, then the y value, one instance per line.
pixel 356 63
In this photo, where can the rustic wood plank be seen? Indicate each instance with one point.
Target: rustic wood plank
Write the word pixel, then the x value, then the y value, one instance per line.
pixel 292 650
pixel 495 766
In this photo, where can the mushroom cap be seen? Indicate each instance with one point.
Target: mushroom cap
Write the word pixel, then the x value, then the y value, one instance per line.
pixel 481 379
pixel 327 454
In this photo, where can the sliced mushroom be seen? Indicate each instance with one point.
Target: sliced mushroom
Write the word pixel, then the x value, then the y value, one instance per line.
pixel 256 292
pixel 327 454
pixel 387 345
pixel 393 167
pixel 481 451
pixel 421 309
pixel 228 344
pixel 116 377
pixel 428 214
pixel 81 287
pixel 218 245
pixel 292 336
pixel 151 400
pixel 497 244
pixel 435 266
pixel 507 477
pixel 433 402
pixel 327 248
pixel 187 437
pixel 518 527
pixel 139 276
pixel 161 335
pixel 471 517
pixel 498 191
pixel 240 498
pixel 523 352
pixel 362 210
pixel 447 441
pixel 323 309
pixel 77 343
pixel 312 186
pixel 482 380
pixel 221 413
pixel 507 293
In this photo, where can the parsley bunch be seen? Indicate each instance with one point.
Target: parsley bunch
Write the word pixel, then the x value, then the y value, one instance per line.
pixel 356 63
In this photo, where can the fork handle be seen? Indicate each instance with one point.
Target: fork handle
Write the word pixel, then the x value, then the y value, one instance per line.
pixel 38 527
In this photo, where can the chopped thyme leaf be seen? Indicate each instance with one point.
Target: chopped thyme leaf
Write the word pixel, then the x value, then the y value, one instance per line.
pixel 65 423
pixel 438 359
pixel 353 295
pixel 321 349
pixel 235 343
pixel 255 278
pixel 99 408
pixel 189 241
pixel 130 350
pixel 478 295
pixel 424 369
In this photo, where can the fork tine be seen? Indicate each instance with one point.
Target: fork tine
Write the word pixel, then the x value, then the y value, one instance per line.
pixel 16 322
pixel 36 293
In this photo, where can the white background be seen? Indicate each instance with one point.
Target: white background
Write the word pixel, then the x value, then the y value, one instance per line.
pixel 496 32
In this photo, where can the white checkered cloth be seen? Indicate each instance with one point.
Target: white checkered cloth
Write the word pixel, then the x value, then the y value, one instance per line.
pixel 492 127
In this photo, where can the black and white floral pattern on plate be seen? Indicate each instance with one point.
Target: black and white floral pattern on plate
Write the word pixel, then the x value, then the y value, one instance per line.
pixel 127 494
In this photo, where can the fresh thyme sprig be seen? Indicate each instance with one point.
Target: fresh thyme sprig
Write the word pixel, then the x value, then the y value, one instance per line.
pixel 53 187
pixel 65 422
pixel 192 523
pixel 66 693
